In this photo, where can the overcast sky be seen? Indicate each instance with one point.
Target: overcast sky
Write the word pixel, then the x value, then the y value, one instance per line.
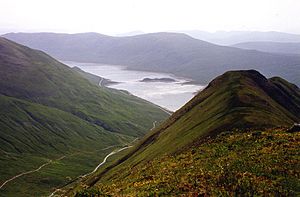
pixel 119 16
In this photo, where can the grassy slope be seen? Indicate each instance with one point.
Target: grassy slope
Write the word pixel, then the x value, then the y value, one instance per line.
pixel 94 79
pixel 48 111
pixel 240 99
pixel 55 175
pixel 31 134
pixel 233 100
pixel 33 128
pixel 34 76
pixel 237 163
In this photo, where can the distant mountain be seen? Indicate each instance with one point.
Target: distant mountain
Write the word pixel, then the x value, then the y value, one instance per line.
pixel 131 33
pixel 49 111
pixel 219 133
pixel 161 52
pixel 271 47
pixel 233 37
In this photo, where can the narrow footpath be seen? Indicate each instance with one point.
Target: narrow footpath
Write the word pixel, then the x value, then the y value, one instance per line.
pixel 102 163
pixel 29 172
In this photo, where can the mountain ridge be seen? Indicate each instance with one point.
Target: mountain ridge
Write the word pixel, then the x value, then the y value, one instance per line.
pixel 292 48
pixel 227 38
pixel 247 106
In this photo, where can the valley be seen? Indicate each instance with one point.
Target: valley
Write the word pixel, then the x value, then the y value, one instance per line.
pixel 159 114
pixel 49 111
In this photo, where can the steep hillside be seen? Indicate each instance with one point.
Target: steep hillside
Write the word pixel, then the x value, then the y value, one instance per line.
pixel 33 128
pixel 253 163
pixel 52 118
pixel 271 47
pixel 236 101
pixel 162 52
pixel 34 76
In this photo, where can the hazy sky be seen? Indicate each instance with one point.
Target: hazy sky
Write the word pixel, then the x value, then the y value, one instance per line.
pixel 118 16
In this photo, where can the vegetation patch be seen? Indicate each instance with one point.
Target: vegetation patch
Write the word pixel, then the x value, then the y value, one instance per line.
pixel 253 163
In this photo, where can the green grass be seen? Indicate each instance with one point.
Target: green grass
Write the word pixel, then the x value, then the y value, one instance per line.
pixel 55 175
pixel 48 133
pixel 80 183
pixel 33 128
pixel 236 163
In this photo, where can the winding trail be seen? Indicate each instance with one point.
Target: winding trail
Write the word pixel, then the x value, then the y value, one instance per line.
pixel 154 125
pixel 104 160
pixel 100 82
pixel 52 194
pixel 62 157
pixel 29 172
pixel 99 165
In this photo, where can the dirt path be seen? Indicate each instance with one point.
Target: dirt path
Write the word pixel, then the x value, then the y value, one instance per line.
pixel 29 172
pixel 100 82
pixel 154 125
pixel 99 165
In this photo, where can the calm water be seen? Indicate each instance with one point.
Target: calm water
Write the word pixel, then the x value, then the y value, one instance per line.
pixel 168 95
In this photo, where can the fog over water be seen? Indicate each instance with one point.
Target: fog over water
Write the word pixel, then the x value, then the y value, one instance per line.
pixel 170 95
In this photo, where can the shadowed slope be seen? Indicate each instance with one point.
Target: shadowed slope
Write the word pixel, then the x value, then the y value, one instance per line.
pixel 34 76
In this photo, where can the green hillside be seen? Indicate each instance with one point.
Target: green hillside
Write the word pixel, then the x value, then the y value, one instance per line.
pixel 33 128
pixel 49 111
pixel 241 102
pixel 26 74
pixel 237 163
pixel 235 100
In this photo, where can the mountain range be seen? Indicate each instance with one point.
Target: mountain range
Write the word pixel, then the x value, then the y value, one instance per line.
pixel 227 38
pixel 174 53
pixel 271 47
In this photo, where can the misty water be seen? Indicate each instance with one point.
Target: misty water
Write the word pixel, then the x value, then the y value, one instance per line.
pixel 170 95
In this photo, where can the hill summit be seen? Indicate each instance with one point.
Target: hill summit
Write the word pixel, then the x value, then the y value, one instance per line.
pixel 234 100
